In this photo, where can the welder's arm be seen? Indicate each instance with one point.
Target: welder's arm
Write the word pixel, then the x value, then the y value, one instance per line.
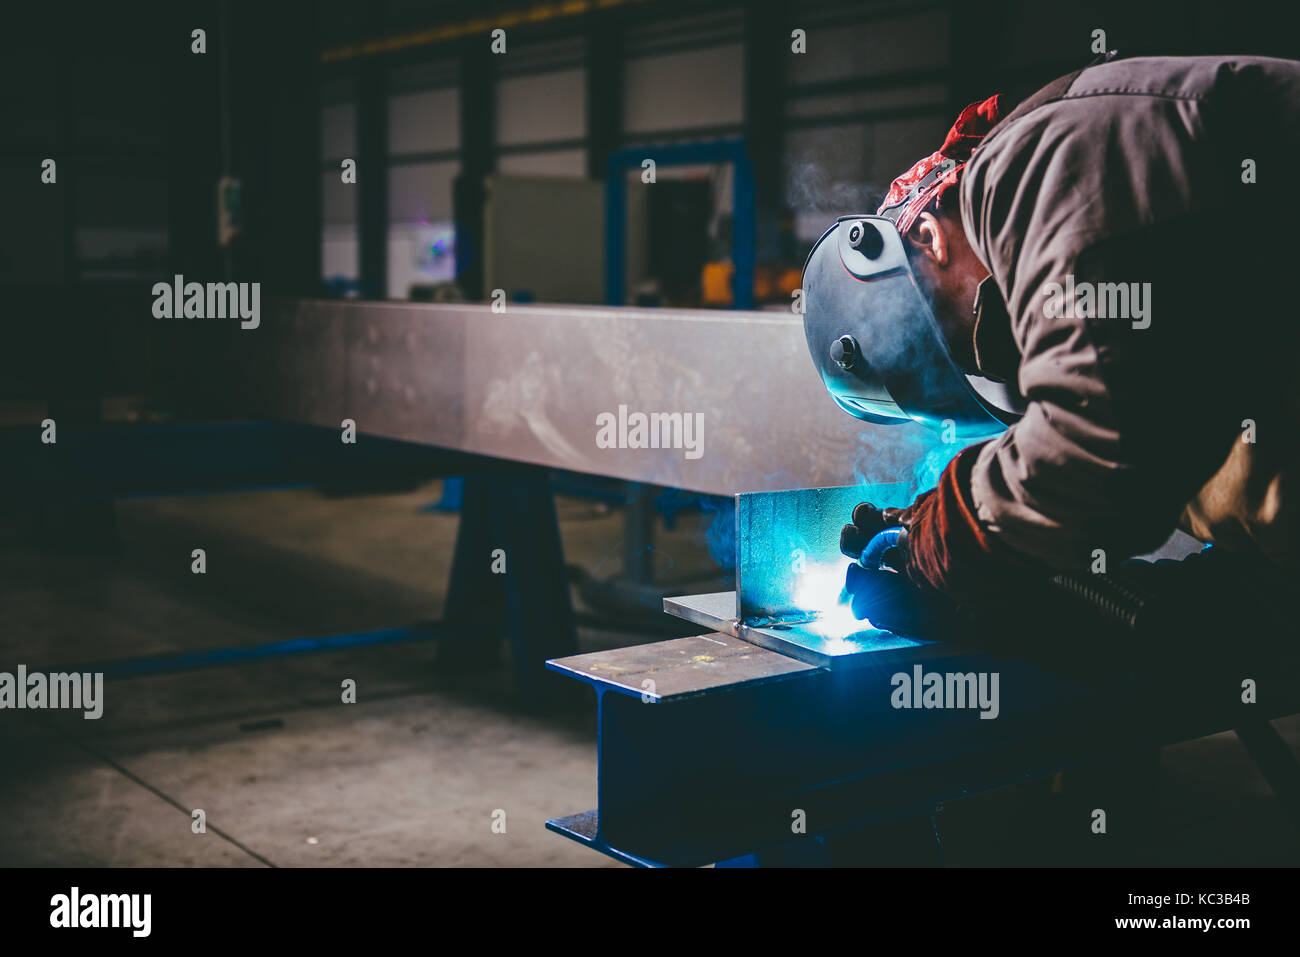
pixel 1041 497
pixel 877 590
pixel 949 551
pixel 1110 449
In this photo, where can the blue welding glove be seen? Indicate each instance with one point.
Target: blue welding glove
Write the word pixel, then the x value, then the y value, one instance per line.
pixel 877 589
pixel 889 601
pixel 869 524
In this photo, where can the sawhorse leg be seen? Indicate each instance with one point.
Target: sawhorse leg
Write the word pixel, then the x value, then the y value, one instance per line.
pixel 508 572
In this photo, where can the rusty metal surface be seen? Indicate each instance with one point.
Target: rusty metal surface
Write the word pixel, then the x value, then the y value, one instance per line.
pixel 681 667
pixel 528 385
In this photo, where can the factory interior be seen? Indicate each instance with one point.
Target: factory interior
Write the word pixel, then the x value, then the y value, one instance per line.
pixel 374 557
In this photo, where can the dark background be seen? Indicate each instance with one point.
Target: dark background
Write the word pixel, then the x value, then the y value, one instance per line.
pixel 142 129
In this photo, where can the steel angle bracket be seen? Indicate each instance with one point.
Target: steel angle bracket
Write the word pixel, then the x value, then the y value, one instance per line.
pixel 789 578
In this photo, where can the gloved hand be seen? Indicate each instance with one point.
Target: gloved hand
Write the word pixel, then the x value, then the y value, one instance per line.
pixel 868 522
pixel 877 541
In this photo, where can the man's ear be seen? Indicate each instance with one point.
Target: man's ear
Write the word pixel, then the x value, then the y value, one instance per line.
pixel 928 235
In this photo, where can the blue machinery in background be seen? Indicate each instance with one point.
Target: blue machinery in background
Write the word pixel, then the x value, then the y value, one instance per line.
pixel 681 154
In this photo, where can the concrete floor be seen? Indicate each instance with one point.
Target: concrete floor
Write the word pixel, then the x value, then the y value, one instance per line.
pixel 414 772
pixel 410 775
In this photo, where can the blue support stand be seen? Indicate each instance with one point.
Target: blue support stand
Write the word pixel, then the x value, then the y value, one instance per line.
pixel 453 493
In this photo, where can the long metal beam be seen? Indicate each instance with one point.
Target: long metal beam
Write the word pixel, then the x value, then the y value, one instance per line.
pixel 529 384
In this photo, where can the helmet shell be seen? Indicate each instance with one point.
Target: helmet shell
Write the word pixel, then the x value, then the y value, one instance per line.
pixel 876 343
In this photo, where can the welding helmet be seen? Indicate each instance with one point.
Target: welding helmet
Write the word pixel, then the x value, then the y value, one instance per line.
pixel 876 342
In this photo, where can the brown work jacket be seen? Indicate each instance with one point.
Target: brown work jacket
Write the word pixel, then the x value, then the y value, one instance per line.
pixel 1168 188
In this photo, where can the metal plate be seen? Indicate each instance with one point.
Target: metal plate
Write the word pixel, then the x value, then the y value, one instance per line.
pixel 851 648
pixel 716 610
pixel 790 579
pixel 788 561
pixel 680 667
pixel 822 645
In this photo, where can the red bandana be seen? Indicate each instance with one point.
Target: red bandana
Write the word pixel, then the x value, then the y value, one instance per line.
pixel 908 194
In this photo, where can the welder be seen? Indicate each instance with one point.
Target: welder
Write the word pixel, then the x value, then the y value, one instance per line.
pixel 1163 190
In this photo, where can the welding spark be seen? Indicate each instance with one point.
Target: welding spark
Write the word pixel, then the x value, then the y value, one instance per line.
pixel 838 621
pixel 820 590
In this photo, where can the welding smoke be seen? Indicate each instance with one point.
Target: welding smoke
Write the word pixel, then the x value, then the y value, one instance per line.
pixel 824 178
pixel 720 529
pixel 910 453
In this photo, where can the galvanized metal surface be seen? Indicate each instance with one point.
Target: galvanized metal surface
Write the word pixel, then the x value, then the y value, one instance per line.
pixel 681 667
pixel 529 383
